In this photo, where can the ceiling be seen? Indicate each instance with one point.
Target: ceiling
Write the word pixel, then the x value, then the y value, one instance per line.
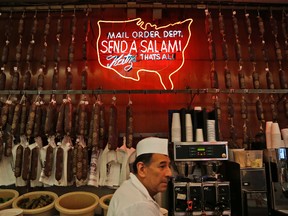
pixel 66 2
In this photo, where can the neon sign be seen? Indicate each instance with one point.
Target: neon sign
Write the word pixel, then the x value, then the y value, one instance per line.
pixel 131 47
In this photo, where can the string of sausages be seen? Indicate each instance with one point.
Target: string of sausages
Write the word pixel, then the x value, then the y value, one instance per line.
pixel 284 24
pixel 228 82
pixel 241 80
pixel 5 52
pixel 213 73
pixel 269 75
pixel 255 74
pixel 5 105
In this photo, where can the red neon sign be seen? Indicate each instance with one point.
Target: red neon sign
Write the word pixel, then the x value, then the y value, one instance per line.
pixel 131 47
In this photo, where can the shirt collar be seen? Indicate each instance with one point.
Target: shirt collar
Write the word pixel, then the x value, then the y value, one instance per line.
pixel 140 186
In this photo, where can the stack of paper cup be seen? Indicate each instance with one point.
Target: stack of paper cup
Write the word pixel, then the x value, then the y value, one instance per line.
pixel 199 135
pixel 268 134
pixel 284 133
pixel 211 130
pixel 276 136
pixel 176 128
pixel 189 127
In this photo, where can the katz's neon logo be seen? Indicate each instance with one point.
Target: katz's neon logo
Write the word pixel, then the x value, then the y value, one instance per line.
pixel 131 47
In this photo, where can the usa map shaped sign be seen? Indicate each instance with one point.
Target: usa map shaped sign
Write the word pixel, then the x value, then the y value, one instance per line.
pixel 131 47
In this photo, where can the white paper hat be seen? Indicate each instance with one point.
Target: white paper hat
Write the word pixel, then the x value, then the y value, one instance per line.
pixel 152 145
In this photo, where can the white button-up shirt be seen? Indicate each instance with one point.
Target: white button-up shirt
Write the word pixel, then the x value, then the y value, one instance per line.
pixel 131 199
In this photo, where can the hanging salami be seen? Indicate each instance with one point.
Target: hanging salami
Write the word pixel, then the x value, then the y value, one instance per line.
pixel 269 75
pixel 112 128
pixel 241 79
pixel 129 125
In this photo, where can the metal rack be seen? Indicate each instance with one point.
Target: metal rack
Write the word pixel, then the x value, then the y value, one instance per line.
pixel 136 5
pixel 145 91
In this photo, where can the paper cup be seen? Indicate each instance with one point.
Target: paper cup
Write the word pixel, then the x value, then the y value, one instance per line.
pixel 189 128
pixel 199 135
pixel 275 129
pixel 176 134
pixel 211 130
pixel 284 133
pixel 276 140
pixel 268 134
pixel 176 120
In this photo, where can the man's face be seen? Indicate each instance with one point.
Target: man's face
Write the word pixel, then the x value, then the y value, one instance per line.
pixel 155 176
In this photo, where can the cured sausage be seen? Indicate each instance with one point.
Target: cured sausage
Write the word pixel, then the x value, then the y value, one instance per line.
pixel 251 53
pixel 2 80
pixel 71 51
pixel 70 165
pixel 273 108
pixel 238 51
pixel 244 110
pixel 49 158
pixel 16 118
pixel 34 163
pixel 221 24
pixel 15 80
pixel 18 161
pixel 18 52
pixel 24 117
pixel 81 118
pixel 112 130
pixel 60 120
pixel 59 163
pixel 68 117
pixel 47 25
pixel 30 49
pixel 79 164
pixel 38 121
pixel 248 24
pixel 269 80
pixel 129 126
pixel 241 80
pixel 208 22
pixel 283 79
pixel 5 54
pixel 31 120
pixel 68 79
pixel 212 50
pixel 8 145
pixel 85 164
pixel 230 107
pixel 50 123
pixel 40 80
pixel 11 114
pixel 84 79
pixel 4 114
pixel 285 103
pixel 274 26
pixel 214 79
pixel 26 164
pixel 259 110
pixel 235 23
pixel 261 25
pixel 55 79
pixel 256 81
pixel 27 79
pixel 228 81
pixel 225 50
pixel 102 127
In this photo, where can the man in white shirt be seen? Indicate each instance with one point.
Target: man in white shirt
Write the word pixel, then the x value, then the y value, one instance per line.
pixel 151 175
